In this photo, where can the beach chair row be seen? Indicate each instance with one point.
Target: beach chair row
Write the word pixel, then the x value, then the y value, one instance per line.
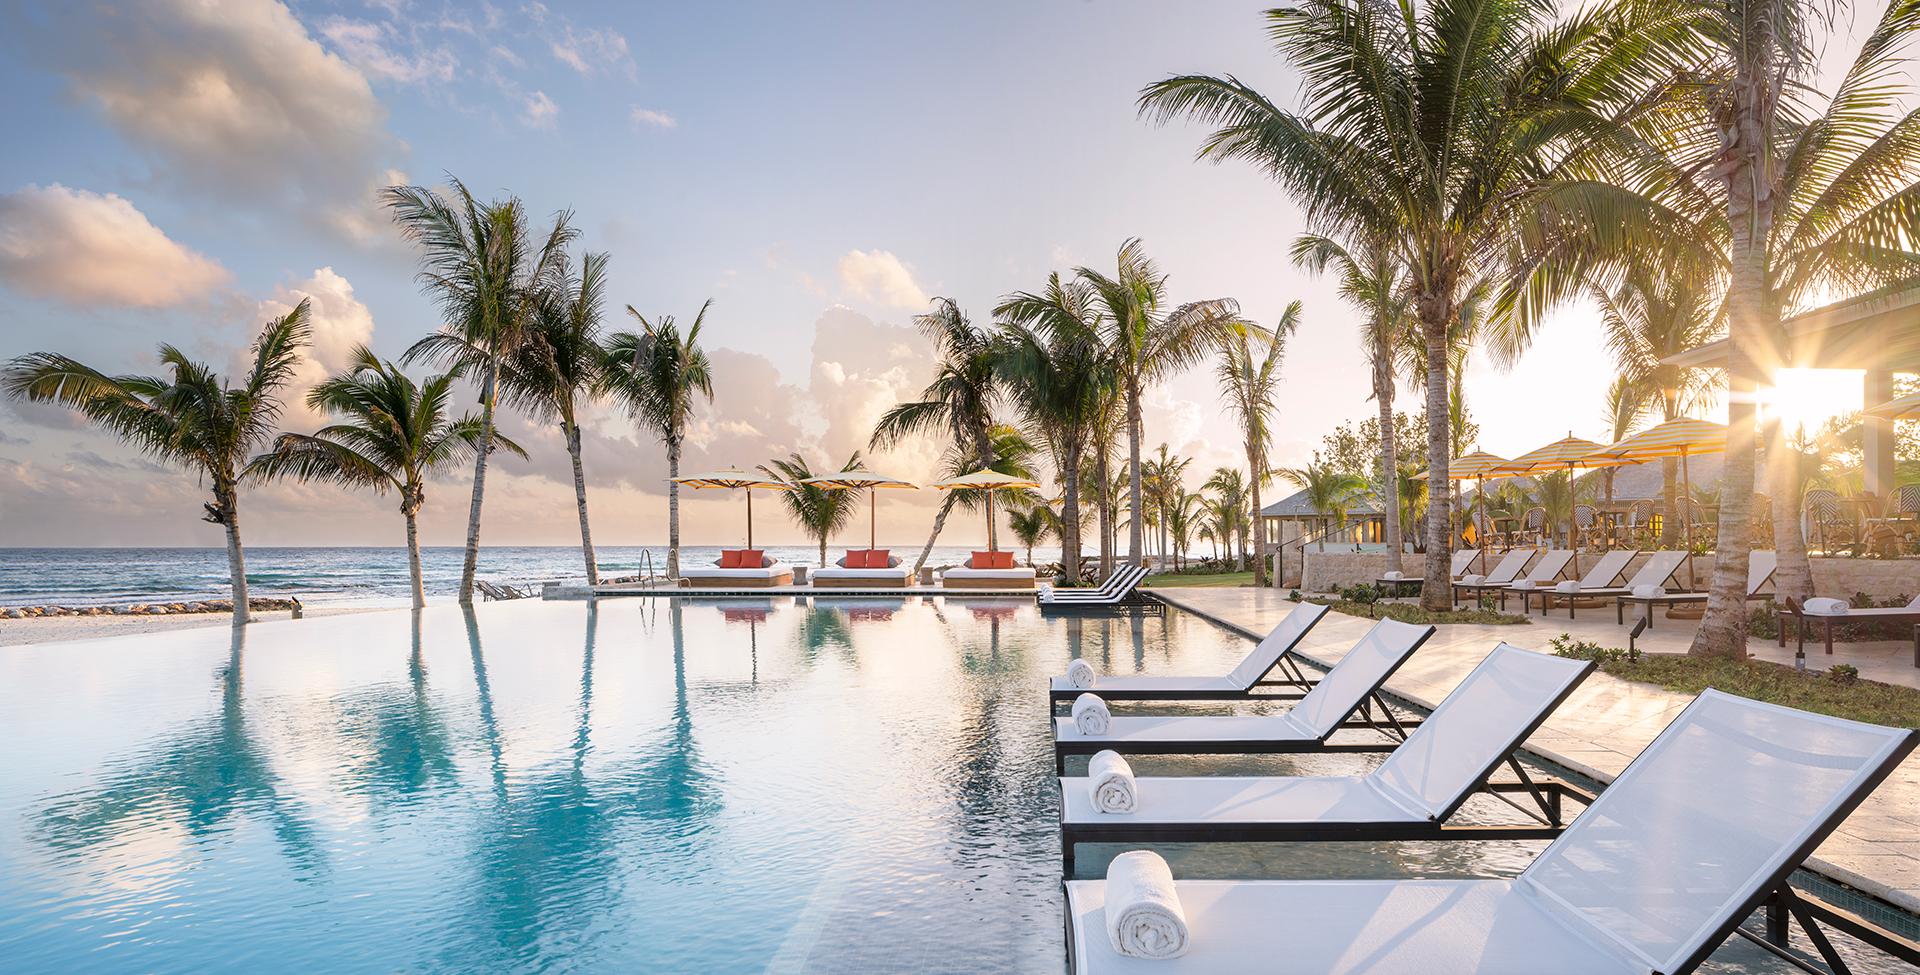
pixel 1531 574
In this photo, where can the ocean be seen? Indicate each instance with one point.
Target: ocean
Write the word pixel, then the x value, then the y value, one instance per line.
pixel 333 576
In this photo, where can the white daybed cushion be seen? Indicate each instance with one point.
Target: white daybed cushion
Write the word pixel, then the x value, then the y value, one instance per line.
pixel 842 572
pixel 752 572
pixel 1021 572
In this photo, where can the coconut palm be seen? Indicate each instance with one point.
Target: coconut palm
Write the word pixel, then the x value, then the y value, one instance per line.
pixel 1013 455
pixel 394 434
pixel 1053 368
pixel 1148 344
pixel 1435 129
pixel 1229 488
pixel 818 511
pixel 1251 385
pixel 1032 526
pixel 658 373
pixel 1161 479
pixel 191 418
pixel 1626 406
pixel 559 370
pixel 491 275
pixel 1183 518
pixel 1329 492
pixel 958 402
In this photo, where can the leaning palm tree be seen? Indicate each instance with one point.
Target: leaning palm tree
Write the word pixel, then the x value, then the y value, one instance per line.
pixel 1032 526
pixel 1229 488
pixel 818 511
pixel 554 374
pixel 394 434
pixel 957 403
pixel 1329 492
pixel 1251 386
pixel 1435 129
pixel 657 373
pixel 1147 345
pixel 192 417
pixel 491 275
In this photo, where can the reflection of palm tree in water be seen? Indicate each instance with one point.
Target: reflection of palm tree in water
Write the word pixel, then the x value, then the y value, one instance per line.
pixel 200 780
pixel 412 750
pixel 822 628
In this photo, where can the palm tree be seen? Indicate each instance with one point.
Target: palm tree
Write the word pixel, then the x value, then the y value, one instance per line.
pixel 395 434
pixel 657 373
pixel 1013 455
pixel 1161 481
pixel 561 366
pixel 1229 487
pixel 1412 499
pixel 1436 130
pixel 191 417
pixel 1374 281
pixel 1250 386
pixel 1329 492
pixel 1148 345
pixel 491 277
pixel 819 511
pixel 958 402
pixel 1032 526
pixel 1183 518
pixel 1625 407
pixel 1051 365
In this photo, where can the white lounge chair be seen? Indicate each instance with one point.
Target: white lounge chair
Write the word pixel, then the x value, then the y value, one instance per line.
pixel 1409 796
pixel 1463 560
pixel 1117 588
pixel 1705 824
pixel 1760 566
pixel 1544 572
pixel 1657 570
pixel 1801 616
pixel 1603 573
pixel 1503 574
pixel 1237 683
pixel 1348 687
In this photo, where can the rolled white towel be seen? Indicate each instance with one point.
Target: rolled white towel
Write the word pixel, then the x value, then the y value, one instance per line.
pixel 1472 580
pixel 1826 606
pixel 1567 586
pixel 1110 782
pixel 1522 584
pixel 1649 592
pixel 1080 673
pixel 1090 714
pixel 1143 913
pixel 1394 575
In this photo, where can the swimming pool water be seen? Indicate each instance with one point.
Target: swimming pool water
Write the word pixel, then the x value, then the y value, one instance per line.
pixel 638 785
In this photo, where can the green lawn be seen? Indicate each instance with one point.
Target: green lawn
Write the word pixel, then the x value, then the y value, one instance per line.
pixel 1820 691
pixel 1221 579
pixel 1410 613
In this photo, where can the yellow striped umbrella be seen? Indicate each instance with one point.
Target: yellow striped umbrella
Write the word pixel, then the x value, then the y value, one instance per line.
pixel 985 481
pixel 733 478
pixel 853 480
pixel 1674 438
pixel 1477 465
pixel 1905 408
pixel 1567 453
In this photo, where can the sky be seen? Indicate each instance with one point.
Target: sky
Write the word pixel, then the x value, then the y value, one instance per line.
pixel 192 168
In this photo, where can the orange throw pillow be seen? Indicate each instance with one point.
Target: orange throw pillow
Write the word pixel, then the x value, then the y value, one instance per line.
pixel 750 558
pixel 1003 560
pixel 981 560
pixel 877 558
pixel 729 558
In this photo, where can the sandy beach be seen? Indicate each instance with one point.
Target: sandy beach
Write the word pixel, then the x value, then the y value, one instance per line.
pixel 55 629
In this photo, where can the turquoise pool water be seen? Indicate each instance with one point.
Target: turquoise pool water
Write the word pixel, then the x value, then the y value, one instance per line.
pixel 641 786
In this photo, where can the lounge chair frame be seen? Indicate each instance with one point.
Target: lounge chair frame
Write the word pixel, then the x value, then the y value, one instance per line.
pixel 1295 680
pixel 1489 583
pixel 1109 593
pixel 1881 614
pixel 1680 598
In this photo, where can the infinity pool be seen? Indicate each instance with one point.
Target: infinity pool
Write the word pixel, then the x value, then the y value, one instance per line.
pixel 642 786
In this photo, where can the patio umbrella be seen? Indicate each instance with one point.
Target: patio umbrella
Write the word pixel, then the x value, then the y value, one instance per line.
pixel 1566 454
pixel 853 480
pixel 1674 438
pixel 987 481
pixel 733 477
pixel 1905 408
pixel 1476 465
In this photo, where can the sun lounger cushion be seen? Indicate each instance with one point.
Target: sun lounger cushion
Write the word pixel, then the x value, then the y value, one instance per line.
pixel 1011 573
pixel 843 572
pixel 773 569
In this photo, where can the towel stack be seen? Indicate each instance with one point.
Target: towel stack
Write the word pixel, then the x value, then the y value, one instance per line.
pixel 1080 673
pixel 1143 913
pixel 1522 584
pixel 1090 715
pixel 1826 606
pixel 1393 575
pixel 1568 586
pixel 1472 580
pixel 1110 781
pixel 1649 592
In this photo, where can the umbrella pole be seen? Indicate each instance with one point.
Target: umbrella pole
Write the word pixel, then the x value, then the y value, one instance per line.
pixel 990 520
pixel 1480 502
pixel 1572 541
pixel 873 517
pixel 749 517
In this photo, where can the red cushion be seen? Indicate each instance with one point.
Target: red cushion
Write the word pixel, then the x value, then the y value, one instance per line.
pixel 1003 560
pixel 877 558
pixel 751 558
pixel 981 560
pixel 856 558
pixel 730 558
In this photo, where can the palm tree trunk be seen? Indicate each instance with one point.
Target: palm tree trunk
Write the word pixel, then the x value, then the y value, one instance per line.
pixel 983 446
pixel 1389 451
pixel 470 562
pixel 1105 501
pixel 229 503
pixel 673 507
pixel 1135 526
pixel 1070 516
pixel 1793 572
pixel 1669 495
pixel 1259 527
pixel 571 430
pixel 926 551
pixel 413 559
pixel 1437 590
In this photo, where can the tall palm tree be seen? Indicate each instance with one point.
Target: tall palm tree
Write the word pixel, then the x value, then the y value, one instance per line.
pixel 817 510
pixel 1229 487
pixel 1183 519
pixel 657 374
pixel 1373 280
pixel 1329 492
pixel 1053 368
pixel 191 418
pixel 555 373
pixel 1032 526
pixel 1434 128
pixel 1013 455
pixel 1148 344
pixel 1251 385
pixel 394 435
pixel 959 402
pixel 491 275
pixel 1161 478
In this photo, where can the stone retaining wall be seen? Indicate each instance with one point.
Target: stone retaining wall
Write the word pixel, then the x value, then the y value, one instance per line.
pixel 1882 579
pixel 144 609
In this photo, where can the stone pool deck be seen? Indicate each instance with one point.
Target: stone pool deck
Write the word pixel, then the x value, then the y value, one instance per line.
pixel 1606 722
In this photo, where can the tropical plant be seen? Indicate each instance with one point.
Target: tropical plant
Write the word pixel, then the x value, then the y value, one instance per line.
pixel 1413 499
pixel 393 434
pixel 1032 526
pixel 1147 345
pixel 1251 386
pixel 553 375
pixel 1331 493
pixel 1013 455
pixel 958 402
pixel 491 276
pixel 1161 482
pixel 1626 405
pixel 1229 487
pixel 658 374
pixel 1183 519
pixel 818 511
pixel 191 418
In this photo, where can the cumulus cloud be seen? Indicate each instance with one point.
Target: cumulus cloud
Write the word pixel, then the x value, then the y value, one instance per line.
pixel 881 277
pixel 374 49
pixel 89 248
pixel 592 49
pixel 648 116
pixel 539 111
pixel 339 321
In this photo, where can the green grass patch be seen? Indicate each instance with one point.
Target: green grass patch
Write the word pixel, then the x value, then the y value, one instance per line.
pixel 1196 579
pixel 1409 613
pixel 1837 691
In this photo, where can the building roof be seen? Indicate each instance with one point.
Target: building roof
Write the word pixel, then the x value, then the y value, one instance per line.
pixel 1295 506
pixel 1872 331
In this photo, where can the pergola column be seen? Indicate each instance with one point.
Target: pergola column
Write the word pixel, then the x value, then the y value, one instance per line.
pixel 1876 435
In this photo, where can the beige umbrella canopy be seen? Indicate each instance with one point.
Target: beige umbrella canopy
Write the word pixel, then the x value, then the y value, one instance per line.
pixel 854 480
pixel 734 478
pixel 1674 438
pixel 988 481
pixel 1567 453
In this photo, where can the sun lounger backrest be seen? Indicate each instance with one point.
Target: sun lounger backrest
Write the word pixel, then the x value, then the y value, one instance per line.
pixel 1284 637
pixel 1760 566
pixel 1358 674
pixel 1479 724
pixel 1461 561
pixel 1509 566
pixel 1605 571
pixel 1713 814
pixel 1659 568
pixel 1550 564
